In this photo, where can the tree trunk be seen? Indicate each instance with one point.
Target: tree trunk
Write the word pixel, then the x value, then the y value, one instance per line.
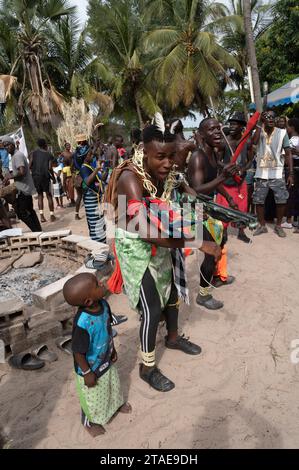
pixel 138 109
pixel 252 55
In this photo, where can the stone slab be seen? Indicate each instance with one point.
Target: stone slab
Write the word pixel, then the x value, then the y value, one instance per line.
pixel 93 246
pixel 28 260
pixel 6 264
pixel 50 296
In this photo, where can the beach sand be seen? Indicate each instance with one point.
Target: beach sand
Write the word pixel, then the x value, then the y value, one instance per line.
pixel 241 392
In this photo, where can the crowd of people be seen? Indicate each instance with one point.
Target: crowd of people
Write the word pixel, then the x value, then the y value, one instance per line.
pixel 154 177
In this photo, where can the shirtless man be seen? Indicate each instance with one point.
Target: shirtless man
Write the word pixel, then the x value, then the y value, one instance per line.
pixel 68 179
pixel 203 177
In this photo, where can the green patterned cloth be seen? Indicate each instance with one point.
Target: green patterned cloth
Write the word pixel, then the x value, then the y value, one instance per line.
pixel 101 402
pixel 135 257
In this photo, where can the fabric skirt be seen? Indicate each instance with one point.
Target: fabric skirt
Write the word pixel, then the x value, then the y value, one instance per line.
pixel 101 402
pixel 239 195
pixel 95 218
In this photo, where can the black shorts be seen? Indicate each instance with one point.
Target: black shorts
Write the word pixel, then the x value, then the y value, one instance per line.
pixel 42 184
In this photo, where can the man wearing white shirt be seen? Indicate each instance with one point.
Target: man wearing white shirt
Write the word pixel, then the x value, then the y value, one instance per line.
pixel 271 142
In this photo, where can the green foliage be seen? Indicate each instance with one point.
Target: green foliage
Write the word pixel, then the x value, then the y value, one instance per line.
pixel 278 48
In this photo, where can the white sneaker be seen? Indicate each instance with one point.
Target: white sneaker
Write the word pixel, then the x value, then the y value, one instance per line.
pixel 287 225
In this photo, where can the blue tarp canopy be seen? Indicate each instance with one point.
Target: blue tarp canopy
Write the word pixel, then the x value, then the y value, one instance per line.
pixel 287 94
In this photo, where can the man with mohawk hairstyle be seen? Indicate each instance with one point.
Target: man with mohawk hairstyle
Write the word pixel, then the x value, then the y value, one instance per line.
pixel 151 266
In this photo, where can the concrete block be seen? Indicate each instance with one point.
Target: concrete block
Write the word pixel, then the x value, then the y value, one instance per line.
pixel 16 250
pixel 53 237
pixel 84 269
pixel 50 247
pixel 40 335
pixel 64 312
pixel 13 334
pixel 11 311
pixel 4 243
pixel 74 239
pixel 27 239
pixel 50 296
pixel 39 318
pixel 92 246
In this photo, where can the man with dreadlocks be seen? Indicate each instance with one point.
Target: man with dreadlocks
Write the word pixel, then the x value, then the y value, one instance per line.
pixel 152 267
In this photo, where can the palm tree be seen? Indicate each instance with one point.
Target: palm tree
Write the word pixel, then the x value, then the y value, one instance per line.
pixel 116 28
pixel 72 66
pixel 232 29
pixel 29 21
pixel 252 54
pixel 189 64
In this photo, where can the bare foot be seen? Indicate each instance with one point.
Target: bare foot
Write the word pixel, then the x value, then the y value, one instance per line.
pixel 95 430
pixel 126 408
pixel 42 219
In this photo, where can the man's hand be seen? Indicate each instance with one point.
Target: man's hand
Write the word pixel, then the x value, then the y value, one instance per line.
pixel 232 203
pixel 229 170
pixel 114 356
pixel 290 181
pixel 211 248
pixel 90 380
pixel 6 178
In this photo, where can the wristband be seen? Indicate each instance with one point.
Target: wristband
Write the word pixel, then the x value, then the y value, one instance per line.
pixel 86 373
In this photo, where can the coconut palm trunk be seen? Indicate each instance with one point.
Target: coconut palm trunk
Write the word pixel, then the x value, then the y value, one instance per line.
pixel 252 55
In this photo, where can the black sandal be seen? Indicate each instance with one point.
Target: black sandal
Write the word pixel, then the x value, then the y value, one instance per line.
pixel 156 379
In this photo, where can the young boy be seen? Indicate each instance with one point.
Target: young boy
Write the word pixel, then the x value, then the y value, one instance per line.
pixel 97 379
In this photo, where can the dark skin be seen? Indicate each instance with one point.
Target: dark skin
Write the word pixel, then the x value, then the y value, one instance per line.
pixel 67 161
pixel 211 137
pixel 79 191
pixel 88 293
pixel 234 138
pixel 159 159
pixel 292 132
pixel 93 177
pixel 184 147
pixel 48 194
pixel 268 122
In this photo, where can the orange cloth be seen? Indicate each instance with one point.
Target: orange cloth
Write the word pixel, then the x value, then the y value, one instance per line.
pixel 188 252
pixel 69 183
pixel 115 283
pixel 221 268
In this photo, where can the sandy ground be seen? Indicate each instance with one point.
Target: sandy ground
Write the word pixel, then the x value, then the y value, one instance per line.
pixel 242 392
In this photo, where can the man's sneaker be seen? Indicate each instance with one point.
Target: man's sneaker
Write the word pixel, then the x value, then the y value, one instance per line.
pixel 156 379
pixel 261 229
pixel 217 281
pixel 183 344
pixel 279 231
pixel 209 302
pixel 287 225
